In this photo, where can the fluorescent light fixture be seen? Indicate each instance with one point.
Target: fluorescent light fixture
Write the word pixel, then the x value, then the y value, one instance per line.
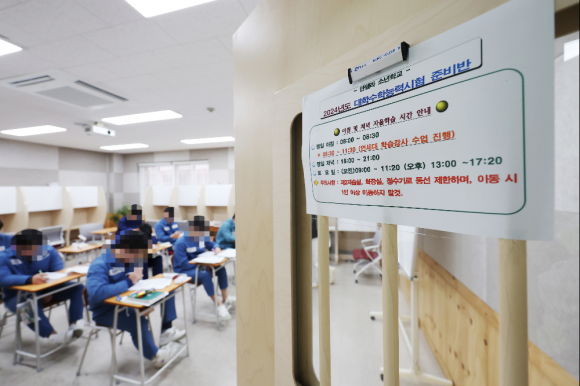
pixel 8 48
pixel 37 130
pixel 571 50
pixel 125 147
pixel 150 8
pixel 207 140
pixel 141 118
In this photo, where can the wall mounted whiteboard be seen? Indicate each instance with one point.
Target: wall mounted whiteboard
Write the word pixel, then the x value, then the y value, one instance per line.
pixel 84 196
pixel 43 198
pixel 7 199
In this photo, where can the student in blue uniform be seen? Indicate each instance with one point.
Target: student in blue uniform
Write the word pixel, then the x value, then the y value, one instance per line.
pixel 117 269
pixel 226 236
pixel 167 230
pixel 132 220
pixel 187 248
pixel 155 262
pixel 25 262
pixel 5 240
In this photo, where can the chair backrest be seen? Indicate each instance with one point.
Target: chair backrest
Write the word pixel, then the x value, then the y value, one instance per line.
pixel 54 234
pixel 86 229
pixel 377 237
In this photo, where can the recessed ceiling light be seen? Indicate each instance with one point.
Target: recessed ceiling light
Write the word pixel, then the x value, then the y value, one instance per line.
pixel 141 118
pixel 207 140
pixel 571 50
pixel 150 8
pixel 125 147
pixel 37 130
pixel 8 48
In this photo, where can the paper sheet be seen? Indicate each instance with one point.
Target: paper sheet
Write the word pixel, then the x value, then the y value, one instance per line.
pixel 81 269
pixel 229 253
pixel 52 276
pixel 208 258
pixel 151 284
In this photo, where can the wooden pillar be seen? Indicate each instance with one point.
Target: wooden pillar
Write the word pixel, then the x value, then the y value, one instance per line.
pixel 324 300
pixel 390 305
pixel 513 313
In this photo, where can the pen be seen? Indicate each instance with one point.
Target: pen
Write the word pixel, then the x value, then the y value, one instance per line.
pixel 119 298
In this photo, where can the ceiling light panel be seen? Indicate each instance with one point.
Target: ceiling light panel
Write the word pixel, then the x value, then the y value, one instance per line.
pixel 142 118
pixel 37 130
pixel 150 8
pixel 8 48
pixel 199 141
pixel 125 147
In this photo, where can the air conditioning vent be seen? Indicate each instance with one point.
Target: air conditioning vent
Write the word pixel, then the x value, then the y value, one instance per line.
pixel 62 87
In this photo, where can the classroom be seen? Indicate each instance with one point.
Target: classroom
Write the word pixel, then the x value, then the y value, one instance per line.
pixel 404 177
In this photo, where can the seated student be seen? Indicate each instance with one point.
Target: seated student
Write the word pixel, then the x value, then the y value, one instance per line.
pixel 155 262
pixel 5 240
pixel 187 248
pixel 132 220
pixel 112 273
pixel 167 230
pixel 226 236
pixel 29 256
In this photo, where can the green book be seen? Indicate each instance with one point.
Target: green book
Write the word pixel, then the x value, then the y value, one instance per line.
pixel 147 299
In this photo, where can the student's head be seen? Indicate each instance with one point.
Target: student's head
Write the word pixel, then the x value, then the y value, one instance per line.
pixel 131 247
pixel 146 228
pixel 1 225
pixel 29 244
pixel 135 213
pixel 234 218
pixel 169 214
pixel 198 229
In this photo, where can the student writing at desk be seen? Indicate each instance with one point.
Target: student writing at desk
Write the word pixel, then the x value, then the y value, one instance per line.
pixel 155 262
pixel 188 247
pixel 226 236
pixel 112 273
pixel 24 263
pixel 167 230
pixel 132 220
pixel 5 240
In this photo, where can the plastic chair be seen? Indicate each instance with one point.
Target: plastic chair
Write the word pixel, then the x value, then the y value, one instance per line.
pixel 370 256
pixel 54 234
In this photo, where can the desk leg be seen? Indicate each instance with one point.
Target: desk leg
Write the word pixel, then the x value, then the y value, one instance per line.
pixel 195 293
pixel 114 347
pixel 185 319
pixel 215 291
pixel 140 342
pixel 18 333
pixel 36 334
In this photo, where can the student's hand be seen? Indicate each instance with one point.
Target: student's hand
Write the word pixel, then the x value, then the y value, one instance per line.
pixel 39 278
pixel 175 235
pixel 136 275
pixel 217 250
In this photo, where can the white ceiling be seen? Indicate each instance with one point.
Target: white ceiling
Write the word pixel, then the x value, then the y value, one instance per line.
pixel 180 61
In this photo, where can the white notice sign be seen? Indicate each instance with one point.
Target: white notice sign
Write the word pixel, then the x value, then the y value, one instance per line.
pixel 458 138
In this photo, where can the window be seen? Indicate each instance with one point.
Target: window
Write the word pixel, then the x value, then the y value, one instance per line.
pixel 172 174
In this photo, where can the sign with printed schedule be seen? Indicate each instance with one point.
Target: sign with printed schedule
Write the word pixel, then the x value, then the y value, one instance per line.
pixel 457 138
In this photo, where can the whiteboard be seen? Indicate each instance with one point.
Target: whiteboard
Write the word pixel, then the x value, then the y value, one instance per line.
pixel 189 195
pixel 217 195
pixel 84 196
pixel 408 242
pixel 162 195
pixel 43 198
pixel 7 199
pixel 459 138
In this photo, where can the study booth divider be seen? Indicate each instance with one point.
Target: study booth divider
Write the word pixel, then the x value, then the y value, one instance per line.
pixel 48 206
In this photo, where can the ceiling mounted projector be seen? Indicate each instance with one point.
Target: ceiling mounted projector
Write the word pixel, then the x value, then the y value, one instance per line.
pixel 98 128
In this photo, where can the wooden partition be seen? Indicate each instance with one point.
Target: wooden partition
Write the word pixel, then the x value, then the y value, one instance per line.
pixel 13 209
pixel 89 205
pixel 463 332
pixel 157 198
pixel 219 202
pixel 190 201
pixel 287 49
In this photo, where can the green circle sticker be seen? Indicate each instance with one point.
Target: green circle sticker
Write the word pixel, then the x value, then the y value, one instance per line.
pixel 442 106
